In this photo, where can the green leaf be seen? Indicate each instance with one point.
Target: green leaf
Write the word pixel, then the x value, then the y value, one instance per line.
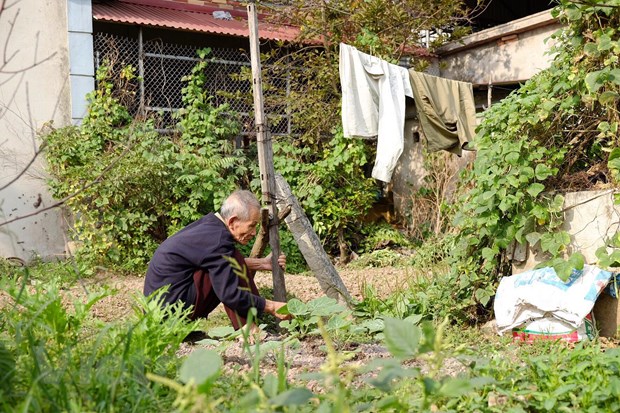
pixel 337 322
pixel 292 397
pixel 573 13
pixel 283 310
pixel 296 307
pixel 402 338
pixel 577 260
pixel 604 43
pixel 220 332
pixel 591 49
pixel 608 97
pixel 512 157
pixel 483 296
pixel 535 189
pixel 593 82
pixel 533 238
pixel 455 387
pixel 542 172
pixel 201 365
pixel 563 269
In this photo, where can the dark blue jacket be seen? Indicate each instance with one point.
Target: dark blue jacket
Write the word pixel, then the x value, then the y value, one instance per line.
pixel 200 245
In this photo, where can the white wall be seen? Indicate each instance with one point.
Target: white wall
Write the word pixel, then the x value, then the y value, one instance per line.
pixel 590 218
pixel 512 52
pixel 35 89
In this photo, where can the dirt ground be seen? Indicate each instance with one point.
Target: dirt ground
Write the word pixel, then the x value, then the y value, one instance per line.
pixel 306 356
pixel 309 354
pixel 304 286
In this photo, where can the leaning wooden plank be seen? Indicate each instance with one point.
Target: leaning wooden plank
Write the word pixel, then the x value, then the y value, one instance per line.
pixel 309 244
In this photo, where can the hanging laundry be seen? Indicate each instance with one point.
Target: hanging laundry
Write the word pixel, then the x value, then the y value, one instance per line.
pixel 446 111
pixel 373 104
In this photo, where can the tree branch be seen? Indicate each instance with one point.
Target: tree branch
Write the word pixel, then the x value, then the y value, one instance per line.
pixel 76 193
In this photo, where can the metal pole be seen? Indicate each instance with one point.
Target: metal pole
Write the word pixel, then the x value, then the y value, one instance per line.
pixel 265 155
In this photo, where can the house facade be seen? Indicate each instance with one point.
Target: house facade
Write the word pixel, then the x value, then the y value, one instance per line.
pixel 50 54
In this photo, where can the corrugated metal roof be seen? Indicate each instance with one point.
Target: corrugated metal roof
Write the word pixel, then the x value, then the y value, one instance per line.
pixel 156 16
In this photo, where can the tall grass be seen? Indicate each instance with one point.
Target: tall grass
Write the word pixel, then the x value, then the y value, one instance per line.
pixel 55 357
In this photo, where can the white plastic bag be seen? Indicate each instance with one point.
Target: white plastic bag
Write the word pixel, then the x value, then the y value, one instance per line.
pixel 539 293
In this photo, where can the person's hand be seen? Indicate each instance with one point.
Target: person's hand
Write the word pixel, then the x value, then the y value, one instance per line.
pixel 281 261
pixel 272 308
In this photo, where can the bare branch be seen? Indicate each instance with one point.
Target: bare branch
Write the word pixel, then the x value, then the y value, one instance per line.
pixel 25 168
pixel 76 193
pixel 5 60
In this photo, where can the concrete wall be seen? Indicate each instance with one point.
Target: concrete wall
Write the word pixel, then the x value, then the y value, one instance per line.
pixel 591 218
pixel 512 52
pixel 35 89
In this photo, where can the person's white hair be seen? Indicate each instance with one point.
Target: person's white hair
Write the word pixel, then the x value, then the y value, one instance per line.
pixel 239 203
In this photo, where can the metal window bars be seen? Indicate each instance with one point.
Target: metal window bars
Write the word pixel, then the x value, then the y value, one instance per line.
pixel 161 66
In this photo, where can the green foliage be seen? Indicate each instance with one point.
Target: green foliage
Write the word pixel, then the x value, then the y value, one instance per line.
pixel 326 171
pixel 381 235
pixel 540 138
pixel 55 357
pixel 130 187
pixel 307 316
pixel 332 189
pixel 379 259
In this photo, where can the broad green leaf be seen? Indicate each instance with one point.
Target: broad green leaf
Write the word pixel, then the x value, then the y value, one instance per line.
pixel 402 338
pixel 593 82
pixel 283 310
pixel 614 76
pixel 489 253
pixel 414 318
pixel 455 387
pixel 483 296
pixel 390 372
pixel 573 13
pixel 543 172
pixel 533 238
pixel 296 307
pixel 337 322
pixel 591 49
pixel 535 189
pixel 577 260
pixel 292 397
pixel 604 43
pixel 219 332
pixel 512 157
pixel 373 325
pixel 201 365
pixel 563 269
pixel 557 204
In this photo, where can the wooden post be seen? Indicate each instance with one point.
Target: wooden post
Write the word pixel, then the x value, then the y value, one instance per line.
pixel 310 245
pixel 265 155
pixel 489 94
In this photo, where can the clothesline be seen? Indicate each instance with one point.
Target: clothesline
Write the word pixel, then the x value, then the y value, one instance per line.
pixel 373 104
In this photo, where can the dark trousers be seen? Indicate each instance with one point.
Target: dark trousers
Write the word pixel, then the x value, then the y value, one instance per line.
pixel 207 301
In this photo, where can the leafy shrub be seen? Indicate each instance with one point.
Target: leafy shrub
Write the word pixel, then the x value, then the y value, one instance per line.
pixel 381 235
pixel 55 357
pixel 330 184
pixel 542 138
pixel 128 186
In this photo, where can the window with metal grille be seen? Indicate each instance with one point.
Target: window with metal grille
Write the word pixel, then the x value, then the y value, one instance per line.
pixel 161 67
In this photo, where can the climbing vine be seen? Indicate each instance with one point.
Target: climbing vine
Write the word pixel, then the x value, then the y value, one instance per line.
pixel 553 134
